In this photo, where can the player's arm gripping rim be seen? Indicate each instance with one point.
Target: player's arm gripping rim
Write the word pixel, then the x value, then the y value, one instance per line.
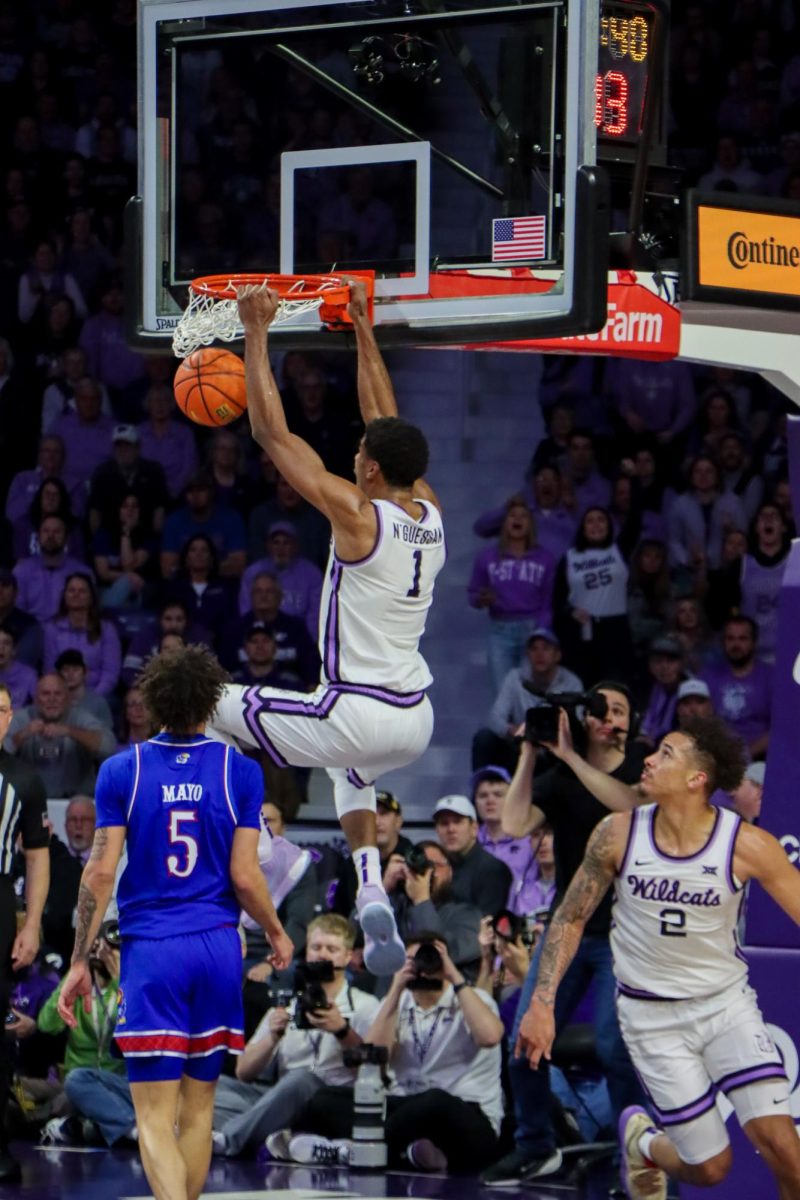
pixel 589 885
pixel 97 884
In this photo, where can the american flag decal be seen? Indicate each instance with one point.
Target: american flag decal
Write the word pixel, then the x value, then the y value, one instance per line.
pixel 518 237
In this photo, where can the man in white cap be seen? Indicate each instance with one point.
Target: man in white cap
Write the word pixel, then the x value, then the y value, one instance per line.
pixel 478 877
pixel 694 700
pixel 747 796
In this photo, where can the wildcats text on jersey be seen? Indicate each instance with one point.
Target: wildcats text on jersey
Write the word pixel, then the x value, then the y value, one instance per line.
pixel 181 793
pixel 416 536
pixel 672 891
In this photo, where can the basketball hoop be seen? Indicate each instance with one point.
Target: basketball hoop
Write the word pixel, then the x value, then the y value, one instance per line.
pixel 213 313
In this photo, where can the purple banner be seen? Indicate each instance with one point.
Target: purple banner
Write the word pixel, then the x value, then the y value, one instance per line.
pixel 771 974
pixel 767 925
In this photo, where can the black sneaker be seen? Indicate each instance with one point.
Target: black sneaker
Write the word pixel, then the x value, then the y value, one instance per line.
pixel 520 1166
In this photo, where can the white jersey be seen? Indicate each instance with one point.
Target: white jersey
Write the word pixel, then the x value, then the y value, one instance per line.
pixel 673 931
pixel 598 581
pixel 373 612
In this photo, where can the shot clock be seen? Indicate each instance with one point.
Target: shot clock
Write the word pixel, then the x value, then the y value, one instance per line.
pixel 630 78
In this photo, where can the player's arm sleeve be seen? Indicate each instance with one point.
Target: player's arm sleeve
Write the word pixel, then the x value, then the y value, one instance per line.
pixel 32 826
pixel 246 790
pixel 114 790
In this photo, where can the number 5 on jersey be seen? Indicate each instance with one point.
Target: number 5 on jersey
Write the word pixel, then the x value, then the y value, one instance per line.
pixel 178 864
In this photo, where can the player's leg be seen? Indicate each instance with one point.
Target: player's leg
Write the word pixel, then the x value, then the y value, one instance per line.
pixel 195 1117
pixel 156 1105
pixel 775 1138
pixel 696 1152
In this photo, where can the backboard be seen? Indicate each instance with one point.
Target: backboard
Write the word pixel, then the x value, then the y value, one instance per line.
pixel 427 140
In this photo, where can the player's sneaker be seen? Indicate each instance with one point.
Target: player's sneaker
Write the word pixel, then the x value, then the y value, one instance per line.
pixel 521 1166
pixel 384 953
pixel 278 1145
pixel 641 1178
pixel 310 1150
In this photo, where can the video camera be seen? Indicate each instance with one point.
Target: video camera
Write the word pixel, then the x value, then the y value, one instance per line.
pixel 427 961
pixel 308 990
pixel 541 722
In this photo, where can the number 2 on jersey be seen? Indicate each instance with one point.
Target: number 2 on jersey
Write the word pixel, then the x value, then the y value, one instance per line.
pixel 414 589
pixel 177 838
pixel 673 922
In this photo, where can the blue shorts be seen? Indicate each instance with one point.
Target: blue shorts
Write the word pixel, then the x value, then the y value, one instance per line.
pixel 180 1004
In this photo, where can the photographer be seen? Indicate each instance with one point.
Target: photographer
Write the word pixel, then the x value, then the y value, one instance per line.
pixel 95 1083
pixel 301 1044
pixel 443 1038
pixel 561 798
pixel 420 889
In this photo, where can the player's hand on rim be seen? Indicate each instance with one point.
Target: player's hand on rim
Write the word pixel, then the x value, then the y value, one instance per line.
pixel 257 307
pixel 358 305
pixel 537 1032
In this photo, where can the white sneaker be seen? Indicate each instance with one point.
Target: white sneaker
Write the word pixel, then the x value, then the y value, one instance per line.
pixel 219 1143
pixel 641 1179
pixel 61 1131
pixel 308 1149
pixel 384 952
pixel 278 1144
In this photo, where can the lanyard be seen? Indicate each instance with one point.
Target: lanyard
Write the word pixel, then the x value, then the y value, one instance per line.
pixel 422 1047
pixel 103 1019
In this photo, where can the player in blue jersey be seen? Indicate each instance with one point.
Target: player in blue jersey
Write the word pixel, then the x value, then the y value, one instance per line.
pixel 371 713
pixel 187 810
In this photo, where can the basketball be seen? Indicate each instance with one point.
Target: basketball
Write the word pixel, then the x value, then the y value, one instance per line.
pixel 210 387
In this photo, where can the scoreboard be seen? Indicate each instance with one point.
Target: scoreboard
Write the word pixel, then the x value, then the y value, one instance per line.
pixel 631 76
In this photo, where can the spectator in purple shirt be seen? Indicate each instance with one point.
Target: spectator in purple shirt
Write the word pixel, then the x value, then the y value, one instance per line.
pixel 652 397
pixel 41 577
pixel 297 653
pixel 18 677
pixel 490 785
pixel 300 580
pixel 514 581
pixel 78 626
pixel 125 472
pixel 665 663
pixel 741 687
pixel 261 666
pixel 536 890
pixel 584 486
pixel 52 499
pixel 86 433
pixel 555 523
pixel 200 515
pixel 313 531
pixel 166 440
pixel 24 486
pixel 121 369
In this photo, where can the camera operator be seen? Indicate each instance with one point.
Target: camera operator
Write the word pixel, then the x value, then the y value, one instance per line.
pixel 443 1037
pixel 302 1044
pixel 389 840
pixel 420 890
pixel 561 797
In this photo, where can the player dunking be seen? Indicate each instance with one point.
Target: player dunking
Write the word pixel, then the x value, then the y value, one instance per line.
pixel 689 1018
pixel 188 809
pixel 371 713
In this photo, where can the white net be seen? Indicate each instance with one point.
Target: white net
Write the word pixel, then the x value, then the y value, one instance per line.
pixel 209 318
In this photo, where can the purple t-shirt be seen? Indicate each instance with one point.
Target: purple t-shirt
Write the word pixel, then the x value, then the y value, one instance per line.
pixel 103 657
pixel 523 587
pixel 175 451
pixel 87 444
pixel 515 852
pixel 21 681
pixel 744 702
pixel 39 586
pixel 301 584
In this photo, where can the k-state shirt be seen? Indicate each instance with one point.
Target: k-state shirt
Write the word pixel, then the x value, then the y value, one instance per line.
pixel 181 798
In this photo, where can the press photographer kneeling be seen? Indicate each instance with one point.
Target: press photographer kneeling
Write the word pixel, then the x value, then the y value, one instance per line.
pixel 602 724
pixel 443 1037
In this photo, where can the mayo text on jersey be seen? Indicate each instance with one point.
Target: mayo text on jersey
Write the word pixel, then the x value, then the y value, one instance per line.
pixel 181 793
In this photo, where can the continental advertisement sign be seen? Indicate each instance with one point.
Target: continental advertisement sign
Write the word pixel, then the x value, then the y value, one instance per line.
pixel 743 250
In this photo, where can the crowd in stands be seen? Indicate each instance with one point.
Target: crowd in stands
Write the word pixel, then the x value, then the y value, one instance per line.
pixel 646 544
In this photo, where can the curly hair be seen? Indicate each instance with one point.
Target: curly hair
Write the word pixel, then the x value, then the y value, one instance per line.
pixel 182 688
pixel 719 753
pixel 399 449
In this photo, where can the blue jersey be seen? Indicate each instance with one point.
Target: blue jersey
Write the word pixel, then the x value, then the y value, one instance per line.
pixel 181 799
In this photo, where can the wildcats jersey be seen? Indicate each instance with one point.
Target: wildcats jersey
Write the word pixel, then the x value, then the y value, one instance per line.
pixel 673 933
pixel 181 799
pixel 373 611
pixel 598 580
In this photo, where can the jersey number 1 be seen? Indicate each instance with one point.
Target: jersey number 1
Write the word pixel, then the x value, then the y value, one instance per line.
pixel 177 838
pixel 414 589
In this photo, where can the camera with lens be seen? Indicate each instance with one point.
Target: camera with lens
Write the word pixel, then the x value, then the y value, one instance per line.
pixel 427 961
pixel 417 860
pixel 109 932
pixel 509 926
pixel 541 722
pixel 308 990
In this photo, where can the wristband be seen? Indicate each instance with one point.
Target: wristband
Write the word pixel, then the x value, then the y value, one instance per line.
pixel 342 1033
pixel 458 986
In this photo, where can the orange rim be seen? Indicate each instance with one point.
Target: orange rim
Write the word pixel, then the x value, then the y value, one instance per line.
pixel 332 290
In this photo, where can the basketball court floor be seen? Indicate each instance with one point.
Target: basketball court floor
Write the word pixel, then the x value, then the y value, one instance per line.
pixel 95 1174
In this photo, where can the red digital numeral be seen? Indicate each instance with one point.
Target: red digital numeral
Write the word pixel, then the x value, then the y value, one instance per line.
pixel 611 103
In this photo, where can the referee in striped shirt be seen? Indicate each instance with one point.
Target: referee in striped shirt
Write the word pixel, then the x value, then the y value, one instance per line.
pixel 23 812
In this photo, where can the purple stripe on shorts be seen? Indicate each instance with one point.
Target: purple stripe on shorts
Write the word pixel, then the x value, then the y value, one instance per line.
pixel 688 1112
pixel 738 1079
pixel 253 705
pixel 385 695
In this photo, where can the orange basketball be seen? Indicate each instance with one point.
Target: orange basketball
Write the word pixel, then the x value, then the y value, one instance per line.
pixel 209 386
